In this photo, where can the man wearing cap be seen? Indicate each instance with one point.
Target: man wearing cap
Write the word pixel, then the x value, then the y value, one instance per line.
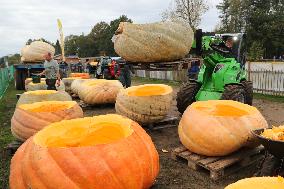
pixel 51 72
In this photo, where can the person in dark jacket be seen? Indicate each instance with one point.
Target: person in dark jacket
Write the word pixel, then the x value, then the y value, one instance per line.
pixel 125 74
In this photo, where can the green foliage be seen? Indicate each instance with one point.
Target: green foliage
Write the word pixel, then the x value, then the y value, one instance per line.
pixel 14 59
pixel 97 42
pixel 255 51
pixel 263 21
pixel 40 39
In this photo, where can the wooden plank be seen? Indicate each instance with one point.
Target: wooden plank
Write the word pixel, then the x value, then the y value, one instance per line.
pixel 235 157
pixel 208 160
pixel 185 154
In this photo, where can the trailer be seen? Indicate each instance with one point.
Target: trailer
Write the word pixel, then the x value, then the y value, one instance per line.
pixel 24 70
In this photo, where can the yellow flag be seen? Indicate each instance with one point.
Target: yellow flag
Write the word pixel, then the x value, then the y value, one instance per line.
pixel 61 40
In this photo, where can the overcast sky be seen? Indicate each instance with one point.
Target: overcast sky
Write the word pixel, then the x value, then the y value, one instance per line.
pixel 24 19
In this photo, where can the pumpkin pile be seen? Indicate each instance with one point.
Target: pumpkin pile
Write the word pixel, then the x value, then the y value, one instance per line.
pixel 43 95
pixel 220 127
pixel 276 133
pixel 30 118
pixel 258 183
pixel 145 103
pixel 96 152
pixel 156 42
pixel 99 91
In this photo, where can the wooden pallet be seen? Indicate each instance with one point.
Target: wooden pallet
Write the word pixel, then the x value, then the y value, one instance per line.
pixel 219 167
pixel 12 147
pixel 168 122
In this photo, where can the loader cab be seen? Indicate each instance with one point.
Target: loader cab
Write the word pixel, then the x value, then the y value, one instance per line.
pixel 238 48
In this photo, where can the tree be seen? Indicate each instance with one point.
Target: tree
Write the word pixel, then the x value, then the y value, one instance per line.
pixel 189 11
pixel 255 51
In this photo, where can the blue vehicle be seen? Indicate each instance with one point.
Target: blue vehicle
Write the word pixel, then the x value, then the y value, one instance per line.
pixel 25 70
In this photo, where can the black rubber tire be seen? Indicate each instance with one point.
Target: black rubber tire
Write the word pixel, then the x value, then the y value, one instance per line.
pixel 248 86
pixel 19 83
pixel 186 95
pixel 234 92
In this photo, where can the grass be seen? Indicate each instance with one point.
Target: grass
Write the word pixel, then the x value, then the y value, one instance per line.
pixel 141 80
pixel 7 108
pixel 269 97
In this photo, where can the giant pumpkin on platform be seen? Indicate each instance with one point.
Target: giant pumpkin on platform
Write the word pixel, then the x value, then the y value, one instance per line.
pixel 156 42
pixel 220 127
pixel 31 118
pixel 42 86
pixel 36 51
pixel 145 103
pixel 101 152
pixel 100 91
pixel 43 95
pixel 76 85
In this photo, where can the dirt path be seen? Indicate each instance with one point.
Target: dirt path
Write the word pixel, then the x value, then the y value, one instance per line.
pixel 176 175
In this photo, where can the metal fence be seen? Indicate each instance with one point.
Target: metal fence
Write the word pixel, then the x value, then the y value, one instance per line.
pixel 6 75
pixel 267 82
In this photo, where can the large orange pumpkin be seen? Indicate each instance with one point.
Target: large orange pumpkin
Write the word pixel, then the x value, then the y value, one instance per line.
pixel 100 91
pixel 77 84
pixel 68 82
pixel 217 128
pixel 101 152
pixel 43 95
pixel 30 118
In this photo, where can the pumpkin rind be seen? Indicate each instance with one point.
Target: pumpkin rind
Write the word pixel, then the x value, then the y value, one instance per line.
pixel 100 91
pixel 129 163
pixel 43 95
pixel 26 123
pixel 68 82
pixel 258 183
pixel 42 86
pixel 76 85
pixel 144 108
pixel 218 128
pixel 156 42
pixel 36 51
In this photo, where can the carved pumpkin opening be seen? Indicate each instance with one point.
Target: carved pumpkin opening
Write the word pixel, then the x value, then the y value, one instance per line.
pixel 41 92
pixel 149 90
pixel 48 106
pixel 89 131
pixel 224 108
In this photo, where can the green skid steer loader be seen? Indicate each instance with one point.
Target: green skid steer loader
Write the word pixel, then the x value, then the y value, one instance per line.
pixel 222 74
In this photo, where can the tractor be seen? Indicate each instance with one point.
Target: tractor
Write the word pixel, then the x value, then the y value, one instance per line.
pixel 222 75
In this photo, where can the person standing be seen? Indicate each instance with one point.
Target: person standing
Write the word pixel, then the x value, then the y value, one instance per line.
pixel 51 72
pixel 125 74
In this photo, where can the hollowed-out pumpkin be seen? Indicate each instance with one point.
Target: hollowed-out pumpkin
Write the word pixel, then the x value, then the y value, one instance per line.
pixel 43 95
pixel 156 42
pixel 100 91
pixel 145 103
pixel 68 82
pixel 42 86
pixel 258 183
pixel 217 128
pixel 30 118
pixel 81 75
pixel 101 152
